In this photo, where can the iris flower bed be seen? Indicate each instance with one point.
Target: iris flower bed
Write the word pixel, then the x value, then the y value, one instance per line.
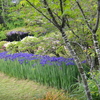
pixel 57 72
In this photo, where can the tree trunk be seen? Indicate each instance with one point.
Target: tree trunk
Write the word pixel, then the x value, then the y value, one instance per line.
pixel 96 45
pixel 78 63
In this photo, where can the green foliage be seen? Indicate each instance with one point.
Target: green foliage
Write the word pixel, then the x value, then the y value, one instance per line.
pixel 13 23
pixel 2 28
pixel 2 47
pixel 12 46
pixel 36 31
pixel 52 44
pixel 2 44
pixel 13 18
pixel 2 36
pixel 93 82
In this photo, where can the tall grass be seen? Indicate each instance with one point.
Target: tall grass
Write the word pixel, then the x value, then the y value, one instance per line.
pixel 58 72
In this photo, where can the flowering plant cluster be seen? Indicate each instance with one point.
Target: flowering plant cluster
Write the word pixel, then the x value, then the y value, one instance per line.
pixel 54 71
pixel 16 35
pixel 16 32
pixel 21 57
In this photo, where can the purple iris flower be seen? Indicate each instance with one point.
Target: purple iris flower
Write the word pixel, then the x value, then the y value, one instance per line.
pixel 70 63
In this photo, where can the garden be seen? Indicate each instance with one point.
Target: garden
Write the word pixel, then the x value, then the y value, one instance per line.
pixel 56 44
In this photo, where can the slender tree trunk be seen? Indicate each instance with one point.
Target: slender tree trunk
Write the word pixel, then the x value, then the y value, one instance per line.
pixel 78 63
pixel 96 45
pixel 95 41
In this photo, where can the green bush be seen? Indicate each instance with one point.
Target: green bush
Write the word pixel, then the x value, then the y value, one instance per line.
pixel 52 44
pixel 93 83
pixel 2 36
pixel 2 44
pixel 2 47
pixel 12 46
pixel 27 44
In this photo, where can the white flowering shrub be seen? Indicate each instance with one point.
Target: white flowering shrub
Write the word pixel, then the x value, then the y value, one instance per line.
pixel 2 44
pixel 29 40
pixel 28 44
pixel 6 44
pixel 12 46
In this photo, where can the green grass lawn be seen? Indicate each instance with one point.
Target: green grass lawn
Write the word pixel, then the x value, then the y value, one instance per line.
pixel 14 89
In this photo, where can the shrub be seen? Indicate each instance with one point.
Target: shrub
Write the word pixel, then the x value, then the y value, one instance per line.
pixel 52 44
pixel 12 46
pixel 94 84
pixel 2 44
pixel 16 35
pixel 56 96
pixel 27 44
pixel 2 36
pixel 2 47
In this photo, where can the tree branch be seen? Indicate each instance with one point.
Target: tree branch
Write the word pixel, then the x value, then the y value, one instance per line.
pixel 84 15
pixel 63 17
pixel 51 14
pixel 67 23
pixel 40 12
pixel 98 15
pixel 61 6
